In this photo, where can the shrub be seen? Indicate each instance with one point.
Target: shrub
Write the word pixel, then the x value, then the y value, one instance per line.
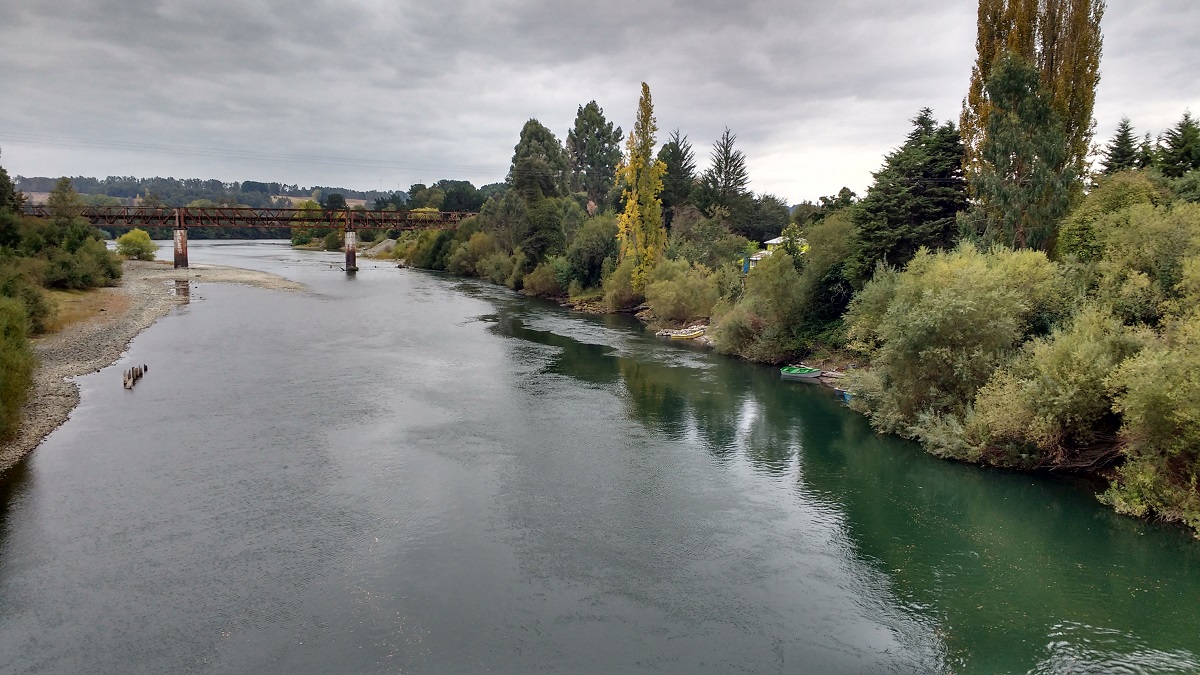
pixel 464 261
pixel 1145 253
pixel 542 281
pixel 1053 399
pixel 618 287
pixel 1078 236
pixel 332 241
pixel 21 280
pixel 595 242
pixel 16 365
pixel 136 244
pixel 496 267
pixel 430 249
pixel 937 330
pixel 1159 400
pixel 678 291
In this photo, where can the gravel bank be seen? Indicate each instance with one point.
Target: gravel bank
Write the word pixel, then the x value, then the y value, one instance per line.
pixel 88 346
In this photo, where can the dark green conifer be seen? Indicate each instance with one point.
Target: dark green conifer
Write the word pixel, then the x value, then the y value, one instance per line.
pixel 1121 153
pixel 914 201
pixel 1179 151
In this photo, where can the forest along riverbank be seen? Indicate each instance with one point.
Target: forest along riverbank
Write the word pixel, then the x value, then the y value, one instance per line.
pixel 149 291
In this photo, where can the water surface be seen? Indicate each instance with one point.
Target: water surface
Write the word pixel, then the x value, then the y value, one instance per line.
pixel 409 472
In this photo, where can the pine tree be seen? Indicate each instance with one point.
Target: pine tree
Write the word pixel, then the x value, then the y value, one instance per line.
pixel 914 201
pixel 1122 151
pixel 723 185
pixel 1024 182
pixel 679 158
pixel 1179 151
pixel 594 148
pixel 640 227
pixel 1146 153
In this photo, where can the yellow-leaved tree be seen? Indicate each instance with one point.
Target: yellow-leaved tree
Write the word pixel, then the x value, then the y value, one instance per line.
pixel 640 225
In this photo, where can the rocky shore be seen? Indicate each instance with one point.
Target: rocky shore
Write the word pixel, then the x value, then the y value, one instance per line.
pixel 150 290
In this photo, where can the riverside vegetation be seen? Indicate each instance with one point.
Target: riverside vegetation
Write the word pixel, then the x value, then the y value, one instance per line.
pixel 1012 305
pixel 62 252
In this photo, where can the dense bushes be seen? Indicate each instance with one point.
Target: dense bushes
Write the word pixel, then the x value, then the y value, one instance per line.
pixel 16 364
pixel 136 244
pixel 936 331
pixel 678 291
pixel 1159 402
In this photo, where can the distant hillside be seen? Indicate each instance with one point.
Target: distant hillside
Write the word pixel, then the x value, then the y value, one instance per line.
pixel 128 190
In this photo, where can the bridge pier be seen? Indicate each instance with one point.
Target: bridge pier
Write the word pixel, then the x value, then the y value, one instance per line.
pixel 181 248
pixel 351 253
pixel 351 244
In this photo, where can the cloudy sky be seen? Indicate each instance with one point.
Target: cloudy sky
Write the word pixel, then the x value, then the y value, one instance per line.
pixel 371 94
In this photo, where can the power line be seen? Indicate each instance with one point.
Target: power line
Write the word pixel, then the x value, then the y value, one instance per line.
pixel 231 153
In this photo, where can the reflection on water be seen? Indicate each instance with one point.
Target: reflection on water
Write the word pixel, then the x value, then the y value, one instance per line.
pixel 410 472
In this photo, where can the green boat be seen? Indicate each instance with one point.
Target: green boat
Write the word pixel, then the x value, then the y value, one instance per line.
pixel 799 373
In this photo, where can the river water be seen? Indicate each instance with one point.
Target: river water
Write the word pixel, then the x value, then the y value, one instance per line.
pixel 409 472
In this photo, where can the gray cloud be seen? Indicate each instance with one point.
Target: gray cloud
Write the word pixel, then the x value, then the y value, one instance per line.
pixel 368 94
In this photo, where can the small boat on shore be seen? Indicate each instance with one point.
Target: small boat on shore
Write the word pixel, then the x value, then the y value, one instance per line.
pixel 683 333
pixel 800 373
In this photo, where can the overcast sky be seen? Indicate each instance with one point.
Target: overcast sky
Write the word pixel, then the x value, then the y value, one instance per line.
pixel 370 94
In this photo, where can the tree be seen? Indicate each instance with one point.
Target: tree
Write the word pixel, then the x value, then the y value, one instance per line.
pixel 594 149
pixel 136 244
pixel 334 202
pixel 914 201
pixel 64 202
pixel 10 199
pixel 1122 151
pixel 1023 181
pixel 1146 156
pixel 539 164
pixel 1179 151
pixel 1062 40
pixel 765 218
pixel 640 227
pixel 680 179
pixel 723 185
pixel 460 195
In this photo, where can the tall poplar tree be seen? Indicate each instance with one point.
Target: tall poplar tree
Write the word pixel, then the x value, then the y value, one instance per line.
pixel 640 226
pixel 1062 40
pixel 1121 153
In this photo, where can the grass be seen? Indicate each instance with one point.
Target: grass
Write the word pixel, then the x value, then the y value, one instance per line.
pixel 75 306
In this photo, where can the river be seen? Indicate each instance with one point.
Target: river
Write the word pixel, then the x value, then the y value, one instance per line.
pixel 409 472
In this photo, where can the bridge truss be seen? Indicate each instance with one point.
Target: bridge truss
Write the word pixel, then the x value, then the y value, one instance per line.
pixel 184 217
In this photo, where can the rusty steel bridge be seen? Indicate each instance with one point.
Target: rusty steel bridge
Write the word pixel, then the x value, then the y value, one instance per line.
pixel 182 218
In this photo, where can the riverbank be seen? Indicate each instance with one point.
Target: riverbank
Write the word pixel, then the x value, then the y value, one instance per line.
pixel 148 291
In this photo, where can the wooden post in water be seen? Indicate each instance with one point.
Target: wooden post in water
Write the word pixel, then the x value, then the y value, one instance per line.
pixel 180 241
pixel 351 258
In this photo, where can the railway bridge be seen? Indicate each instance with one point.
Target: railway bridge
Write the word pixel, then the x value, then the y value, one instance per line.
pixel 180 219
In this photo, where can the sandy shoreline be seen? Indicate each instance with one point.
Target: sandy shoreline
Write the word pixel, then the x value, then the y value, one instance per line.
pixel 88 346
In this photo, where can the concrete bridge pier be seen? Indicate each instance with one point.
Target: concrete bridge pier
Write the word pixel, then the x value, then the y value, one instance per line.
pixel 351 241
pixel 181 259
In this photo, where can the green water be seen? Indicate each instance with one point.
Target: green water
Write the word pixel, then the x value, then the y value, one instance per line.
pixel 405 472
